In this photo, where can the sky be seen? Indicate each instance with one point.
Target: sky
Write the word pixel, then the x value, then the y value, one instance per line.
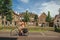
pixel 36 6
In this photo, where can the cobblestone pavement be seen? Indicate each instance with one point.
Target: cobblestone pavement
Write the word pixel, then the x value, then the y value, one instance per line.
pixel 49 35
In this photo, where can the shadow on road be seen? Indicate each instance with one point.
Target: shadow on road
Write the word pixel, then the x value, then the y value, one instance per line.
pixel 7 38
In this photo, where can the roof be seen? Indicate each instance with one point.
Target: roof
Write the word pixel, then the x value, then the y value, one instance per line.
pixel 56 16
pixel 15 13
pixel 31 14
pixel 42 14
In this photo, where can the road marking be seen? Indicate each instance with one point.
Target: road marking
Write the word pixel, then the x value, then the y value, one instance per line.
pixel 43 34
pixel 53 36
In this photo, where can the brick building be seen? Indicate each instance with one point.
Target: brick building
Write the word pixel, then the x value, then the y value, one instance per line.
pixel 31 17
pixel 42 19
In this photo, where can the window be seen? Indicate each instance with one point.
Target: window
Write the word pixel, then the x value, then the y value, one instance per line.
pixel 6 22
pixel 15 23
pixel 2 22
pixel 0 16
pixel 57 20
pixel 11 22
pixel 21 18
pixel 32 18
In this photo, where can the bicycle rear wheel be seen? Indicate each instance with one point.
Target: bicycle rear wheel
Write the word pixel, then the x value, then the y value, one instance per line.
pixel 25 31
pixel 14 32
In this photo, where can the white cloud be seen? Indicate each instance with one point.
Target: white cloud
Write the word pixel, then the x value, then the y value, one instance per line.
pixel 34 12
pixel 57 1
pixel 16 12
pixel 28 9
pixel 19 8
pixel 25 1
pixel 50 6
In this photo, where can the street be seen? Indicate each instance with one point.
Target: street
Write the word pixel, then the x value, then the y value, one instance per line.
pixel 49 35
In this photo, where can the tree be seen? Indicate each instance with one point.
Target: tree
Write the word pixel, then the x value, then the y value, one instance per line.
pixel 36 19
pixel 8 10
pixel 9 17
pixel 48 18
pixel 5 6
pixel 1 8
pixel 26 17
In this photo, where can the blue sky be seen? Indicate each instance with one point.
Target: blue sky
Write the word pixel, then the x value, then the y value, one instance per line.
pixel 37 6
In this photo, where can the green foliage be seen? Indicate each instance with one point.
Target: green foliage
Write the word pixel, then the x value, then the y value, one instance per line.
pixel 5 6
pixel 56 29
pixel 26 16
pixel 36 19
pixel 48 18
pixel 5 9
pixel 1 7
pixel 9 17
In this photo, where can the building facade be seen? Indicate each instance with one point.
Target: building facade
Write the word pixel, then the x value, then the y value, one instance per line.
pixel 57 19
pixel 7 23
pixel 42 19
pixel 31 17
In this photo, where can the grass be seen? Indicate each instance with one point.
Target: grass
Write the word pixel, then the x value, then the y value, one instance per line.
pixel 31 29
pixel 6 28
pixel 40 29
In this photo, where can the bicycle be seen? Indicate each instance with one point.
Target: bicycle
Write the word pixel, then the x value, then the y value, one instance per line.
pixel 16 32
